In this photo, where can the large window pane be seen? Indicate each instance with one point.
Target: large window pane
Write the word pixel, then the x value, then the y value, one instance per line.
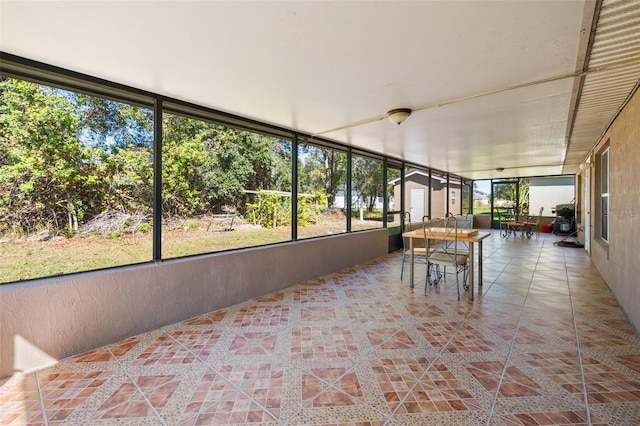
pixel 76 178
pixel 439 197
pixel 510 199
pixel 604 195
pixel 367 193
pixel 523 198
pixel 604 162
pixel 466 197
pixel 455 195
pixel 604 214
pixel 505 205
pixel 394 202
pixel 222 188
pixel 322 188
pixel 482 197
pixel 416 193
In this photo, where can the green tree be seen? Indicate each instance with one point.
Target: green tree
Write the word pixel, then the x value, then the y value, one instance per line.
pixel 183 156
pixel 45 172
pixel 367 180
pixel 67 157
pixel 121 139
pixel 227 168
pixel 129 186
pixel 112 124
pixel 322 169
pixel 516 194
pixel 207 166
pixel 270 160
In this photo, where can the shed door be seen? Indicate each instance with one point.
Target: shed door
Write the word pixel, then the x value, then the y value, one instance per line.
pixel 417 204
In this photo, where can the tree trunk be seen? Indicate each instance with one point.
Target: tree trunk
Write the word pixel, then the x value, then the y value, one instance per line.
pixel 72 216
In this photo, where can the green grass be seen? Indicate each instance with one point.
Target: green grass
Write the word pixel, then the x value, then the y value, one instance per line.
pixel 177 244
pixel 23 259
pixel 482 210
pixel 32 259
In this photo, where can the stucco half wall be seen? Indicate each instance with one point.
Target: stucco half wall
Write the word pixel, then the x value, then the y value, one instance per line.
pixel 45 320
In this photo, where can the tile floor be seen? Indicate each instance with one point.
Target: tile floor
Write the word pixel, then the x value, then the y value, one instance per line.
pixel 545 343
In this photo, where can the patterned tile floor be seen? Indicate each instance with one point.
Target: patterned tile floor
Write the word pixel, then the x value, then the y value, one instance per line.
pixel 544 343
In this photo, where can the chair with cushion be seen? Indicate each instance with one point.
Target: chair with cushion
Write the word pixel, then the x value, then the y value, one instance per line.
pixel 505 220
pixel 419 246
pixel 533 224
pixel 444 235
pixel 460 223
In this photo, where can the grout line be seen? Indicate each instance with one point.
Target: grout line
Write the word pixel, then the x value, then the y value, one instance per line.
pixel 511 345
pixel 41 400
pixel 389 415
pixel 126 372
pixel 205 362
pixel 439 354
pixel 288 361
pixel 444 347
pixel 578 349
pixel 487 256
pixel 418 381
pixel 500 249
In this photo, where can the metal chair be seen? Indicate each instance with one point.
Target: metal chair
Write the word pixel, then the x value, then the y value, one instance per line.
pixel 419 249
pixel 510 223
pixel 532 225
pixel 454 222
pixel 526 227
pixel 446 253
pixel 504 219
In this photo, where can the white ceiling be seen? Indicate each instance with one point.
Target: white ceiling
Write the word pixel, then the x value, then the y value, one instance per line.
pixel 315 66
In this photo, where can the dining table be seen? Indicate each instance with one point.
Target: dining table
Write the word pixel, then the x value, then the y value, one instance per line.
pixel 469 236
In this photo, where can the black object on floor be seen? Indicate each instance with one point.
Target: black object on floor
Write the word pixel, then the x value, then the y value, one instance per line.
pixel 574 244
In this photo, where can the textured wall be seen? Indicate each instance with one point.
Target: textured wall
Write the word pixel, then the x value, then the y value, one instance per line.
pixel 45 320
pixel 618 263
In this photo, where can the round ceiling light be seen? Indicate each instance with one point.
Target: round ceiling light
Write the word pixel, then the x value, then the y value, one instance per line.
pixel 399 115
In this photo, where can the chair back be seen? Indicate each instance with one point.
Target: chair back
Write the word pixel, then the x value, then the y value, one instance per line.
pixel 406 227
pixel 425 242
pixel 535 220
pixel 535 223
pixel 441 235
pixel 451 247
pixel 406 222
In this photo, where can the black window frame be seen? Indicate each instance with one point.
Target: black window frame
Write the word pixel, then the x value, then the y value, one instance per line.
pixel 41 73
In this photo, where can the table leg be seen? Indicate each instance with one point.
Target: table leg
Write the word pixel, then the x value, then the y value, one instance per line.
pixel 471 262
pixel 411 261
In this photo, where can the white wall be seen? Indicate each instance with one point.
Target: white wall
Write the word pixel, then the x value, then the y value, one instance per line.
pixel 549 192
pixel 45 320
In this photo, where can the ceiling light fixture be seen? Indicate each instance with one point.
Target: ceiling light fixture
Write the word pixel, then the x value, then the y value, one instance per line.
pixel 499 169
pixel 584 166
pixel 398 115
